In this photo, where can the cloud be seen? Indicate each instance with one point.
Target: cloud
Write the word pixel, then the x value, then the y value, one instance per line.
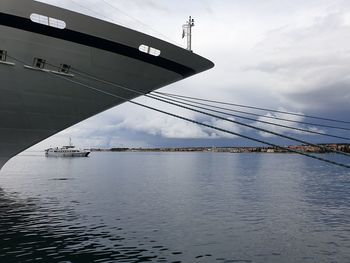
pixel 294 124
pixel 164 126
pixel 172 128
pixel 225 125
pixel 309 64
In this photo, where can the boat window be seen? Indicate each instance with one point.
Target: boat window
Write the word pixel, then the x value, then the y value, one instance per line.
pixel 48 21
pixel 39 63
pixel 3 55
pixel 149 50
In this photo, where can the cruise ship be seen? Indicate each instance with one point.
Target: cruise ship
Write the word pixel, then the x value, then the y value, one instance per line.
pixel 41 45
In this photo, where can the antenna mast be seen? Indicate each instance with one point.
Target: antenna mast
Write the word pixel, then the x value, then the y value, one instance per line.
pixel 187 31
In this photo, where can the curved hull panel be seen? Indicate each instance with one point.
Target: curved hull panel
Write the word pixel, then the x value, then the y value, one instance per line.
pixel 36 103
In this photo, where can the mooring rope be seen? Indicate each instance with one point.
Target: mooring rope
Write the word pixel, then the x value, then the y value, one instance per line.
pixel 194 121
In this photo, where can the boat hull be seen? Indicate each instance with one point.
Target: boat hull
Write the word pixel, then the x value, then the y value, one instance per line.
pixel 38 103
pixel 80 154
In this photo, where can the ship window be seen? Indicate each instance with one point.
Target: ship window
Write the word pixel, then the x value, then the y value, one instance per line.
pixel 44 20
pixel 57 23
pixel 64 68
pixel 48 21
pixel 39 63
pixel 144 48
pixel 154 52
pixel 149 50
pixel 3 55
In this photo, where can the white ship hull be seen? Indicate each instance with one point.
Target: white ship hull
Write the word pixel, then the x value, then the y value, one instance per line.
pixel 35 104
pixel 63 154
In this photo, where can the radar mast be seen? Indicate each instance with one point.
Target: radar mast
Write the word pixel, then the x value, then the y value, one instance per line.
pixel 187 32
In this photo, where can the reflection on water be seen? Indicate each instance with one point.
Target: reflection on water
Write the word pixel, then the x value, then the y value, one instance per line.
pixel 166 207
pixel 33 233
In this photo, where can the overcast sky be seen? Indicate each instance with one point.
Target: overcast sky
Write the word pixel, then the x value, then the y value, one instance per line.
pixel 281 54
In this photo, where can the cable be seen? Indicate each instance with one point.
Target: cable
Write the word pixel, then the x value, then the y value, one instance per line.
pixel 199 123
pixel 215 116
pixel 140 22
pixel 124 24
pixel 255 120
pixel 255 114
pixel 140 93
pixel 219 117
pixel 255 128
pixel 259 108
pixel 99 15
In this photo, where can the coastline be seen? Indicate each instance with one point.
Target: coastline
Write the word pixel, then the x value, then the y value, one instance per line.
pixel 232 149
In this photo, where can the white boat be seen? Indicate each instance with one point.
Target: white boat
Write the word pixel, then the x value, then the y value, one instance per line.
pixel 66 151
pixel 47 55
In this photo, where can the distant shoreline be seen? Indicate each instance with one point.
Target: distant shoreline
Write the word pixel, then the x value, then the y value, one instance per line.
pixel 301 148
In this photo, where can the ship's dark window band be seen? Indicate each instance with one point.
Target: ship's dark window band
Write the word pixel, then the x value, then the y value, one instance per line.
pixel 93 41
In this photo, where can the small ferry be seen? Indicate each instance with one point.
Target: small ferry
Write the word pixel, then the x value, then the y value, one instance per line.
pixel 66 151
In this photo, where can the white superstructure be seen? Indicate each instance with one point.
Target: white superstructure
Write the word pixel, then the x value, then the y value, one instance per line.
pixel 66 151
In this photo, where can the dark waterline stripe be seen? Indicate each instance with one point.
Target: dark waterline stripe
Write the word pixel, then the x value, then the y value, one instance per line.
pixel 93 41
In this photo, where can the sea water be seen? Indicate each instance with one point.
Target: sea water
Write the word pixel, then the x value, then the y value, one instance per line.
pixel 174 207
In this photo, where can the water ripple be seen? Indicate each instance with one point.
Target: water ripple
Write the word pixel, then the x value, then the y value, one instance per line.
pixel 130 207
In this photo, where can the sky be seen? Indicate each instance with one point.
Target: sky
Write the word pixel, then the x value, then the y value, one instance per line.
pixel 280 54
